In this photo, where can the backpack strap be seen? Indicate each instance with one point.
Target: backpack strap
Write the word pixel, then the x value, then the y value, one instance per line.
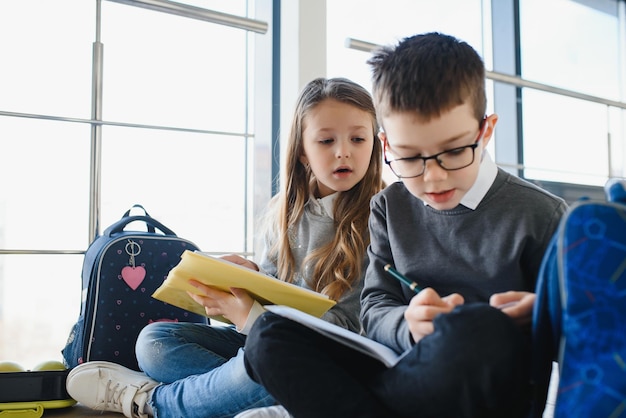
pixel 615 190
pixel 151 223
pixel 546 327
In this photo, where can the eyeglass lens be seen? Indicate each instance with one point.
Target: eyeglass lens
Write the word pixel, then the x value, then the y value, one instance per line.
pixel 448 160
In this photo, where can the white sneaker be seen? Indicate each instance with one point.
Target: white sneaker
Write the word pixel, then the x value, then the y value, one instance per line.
pixel 276 411
pixel 105 386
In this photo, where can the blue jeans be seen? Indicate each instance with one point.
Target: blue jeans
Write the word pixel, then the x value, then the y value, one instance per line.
pixel 201 368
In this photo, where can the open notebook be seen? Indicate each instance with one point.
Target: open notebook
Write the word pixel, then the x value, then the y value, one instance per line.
pixel 351 339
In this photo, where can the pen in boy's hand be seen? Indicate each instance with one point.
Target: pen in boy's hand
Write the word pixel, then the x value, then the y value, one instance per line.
pixel 412 285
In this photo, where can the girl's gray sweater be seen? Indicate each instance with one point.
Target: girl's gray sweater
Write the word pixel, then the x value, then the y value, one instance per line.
pixel 315 229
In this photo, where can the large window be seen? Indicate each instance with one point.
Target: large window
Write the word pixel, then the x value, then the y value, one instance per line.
pixel 380 24
pixel 371 23
pixel 177 130
pixel 176 136
pixel 568 139
pixel 562 116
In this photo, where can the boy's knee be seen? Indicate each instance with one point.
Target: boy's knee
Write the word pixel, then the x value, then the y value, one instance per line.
pixel 495 360
pixel 265 332
pixel 489 339
pixel 260 342
pixel 481 322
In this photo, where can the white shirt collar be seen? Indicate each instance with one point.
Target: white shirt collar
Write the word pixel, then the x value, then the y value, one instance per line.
pixel 324 205
pixel 487 173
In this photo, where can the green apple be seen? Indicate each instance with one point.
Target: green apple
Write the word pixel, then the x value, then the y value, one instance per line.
pixel 49 365
pixel 9 367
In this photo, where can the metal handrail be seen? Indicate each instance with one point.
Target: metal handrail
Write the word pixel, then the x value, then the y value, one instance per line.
pixel 199 13
pixel 365 46
pixel 122 124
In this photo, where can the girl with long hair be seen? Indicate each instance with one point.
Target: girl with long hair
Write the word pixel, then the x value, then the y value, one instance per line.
pixel 316 236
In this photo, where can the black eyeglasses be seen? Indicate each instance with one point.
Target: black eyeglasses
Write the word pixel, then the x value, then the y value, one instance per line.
pixel 449 160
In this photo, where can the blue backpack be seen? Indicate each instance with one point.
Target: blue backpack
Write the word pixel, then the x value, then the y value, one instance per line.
pixel 579 319
pixel 121 270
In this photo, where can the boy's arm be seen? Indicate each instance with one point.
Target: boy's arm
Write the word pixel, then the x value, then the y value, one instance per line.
pixel 519 305
pixel 383 300
pixel 535 258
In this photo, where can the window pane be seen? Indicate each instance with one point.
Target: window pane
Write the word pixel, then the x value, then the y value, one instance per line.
pixel 186 75
pixel 617 128
pixel 556 149
pixel 44 194
pixel 585 39
pixel 39 303
pixel 409 17
pixel 581 54
pixel 46 50
pixel 192 183
pixel 386 25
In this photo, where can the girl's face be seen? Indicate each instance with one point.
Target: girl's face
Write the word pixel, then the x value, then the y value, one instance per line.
pixel 338 140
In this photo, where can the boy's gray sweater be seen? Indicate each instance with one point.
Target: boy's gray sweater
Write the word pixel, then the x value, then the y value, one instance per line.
pixel 497 247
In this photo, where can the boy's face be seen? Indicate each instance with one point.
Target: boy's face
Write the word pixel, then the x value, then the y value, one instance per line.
pixel 406 135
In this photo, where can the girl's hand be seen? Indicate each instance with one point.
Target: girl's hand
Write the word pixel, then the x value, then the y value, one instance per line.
pixel 234 306
pixel 424 307
pixel 237 259
pixel 517 305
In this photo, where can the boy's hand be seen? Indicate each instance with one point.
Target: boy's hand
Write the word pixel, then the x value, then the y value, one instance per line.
pixel 234 306
pixel 517 305
pixel 424 307
pixel 237 259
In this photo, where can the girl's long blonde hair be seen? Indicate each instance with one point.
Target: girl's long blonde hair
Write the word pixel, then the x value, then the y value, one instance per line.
pixel 337 265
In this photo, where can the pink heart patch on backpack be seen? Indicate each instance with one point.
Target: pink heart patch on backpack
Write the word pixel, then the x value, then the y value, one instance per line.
pixel 133 276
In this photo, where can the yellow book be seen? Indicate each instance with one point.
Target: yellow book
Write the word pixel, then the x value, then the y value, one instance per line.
pixel 222 274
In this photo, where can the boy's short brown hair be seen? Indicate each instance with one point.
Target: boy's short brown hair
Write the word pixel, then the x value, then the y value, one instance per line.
pixel 428 74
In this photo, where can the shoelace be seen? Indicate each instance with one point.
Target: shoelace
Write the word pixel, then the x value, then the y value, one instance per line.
pixel 112 395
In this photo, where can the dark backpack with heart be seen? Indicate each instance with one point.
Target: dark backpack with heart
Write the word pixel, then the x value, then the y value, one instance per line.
pixel 121 271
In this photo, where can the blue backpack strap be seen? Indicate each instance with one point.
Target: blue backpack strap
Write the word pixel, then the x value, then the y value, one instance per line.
pixel 615 190
pixel 151 223
pixel 149 227
pixel 546 329
pixel 136 206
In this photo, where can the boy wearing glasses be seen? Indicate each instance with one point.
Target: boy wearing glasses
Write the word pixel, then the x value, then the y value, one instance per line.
pixel 469 234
